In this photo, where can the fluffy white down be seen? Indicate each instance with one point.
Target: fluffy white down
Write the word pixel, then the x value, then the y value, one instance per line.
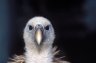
pixel 35 57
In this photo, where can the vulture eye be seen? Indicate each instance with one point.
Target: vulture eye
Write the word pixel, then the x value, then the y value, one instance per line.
pixel 47 27
pixel 30 27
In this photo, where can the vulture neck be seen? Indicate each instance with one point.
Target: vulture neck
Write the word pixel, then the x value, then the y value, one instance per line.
pixel 33 55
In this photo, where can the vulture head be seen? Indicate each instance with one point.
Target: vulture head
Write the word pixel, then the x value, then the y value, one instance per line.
pixel 38 33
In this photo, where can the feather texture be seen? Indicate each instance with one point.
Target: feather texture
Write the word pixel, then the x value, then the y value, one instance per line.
pixel 21 58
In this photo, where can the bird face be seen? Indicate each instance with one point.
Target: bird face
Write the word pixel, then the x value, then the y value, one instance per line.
pixel 39 31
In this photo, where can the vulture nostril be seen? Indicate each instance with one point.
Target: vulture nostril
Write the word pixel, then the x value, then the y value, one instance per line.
pixel 39 26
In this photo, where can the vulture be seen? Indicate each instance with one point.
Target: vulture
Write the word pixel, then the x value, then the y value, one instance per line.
pixel 38 37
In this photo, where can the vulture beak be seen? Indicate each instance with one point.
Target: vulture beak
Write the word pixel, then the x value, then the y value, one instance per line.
pixel 39 34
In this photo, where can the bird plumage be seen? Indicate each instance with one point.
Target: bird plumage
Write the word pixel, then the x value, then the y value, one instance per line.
pixel 21 58
pixel 38 37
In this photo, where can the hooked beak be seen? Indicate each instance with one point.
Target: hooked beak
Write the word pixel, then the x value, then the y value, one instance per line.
pixel 39 34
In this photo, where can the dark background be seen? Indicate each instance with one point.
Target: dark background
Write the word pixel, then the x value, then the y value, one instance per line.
pixel 74 22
